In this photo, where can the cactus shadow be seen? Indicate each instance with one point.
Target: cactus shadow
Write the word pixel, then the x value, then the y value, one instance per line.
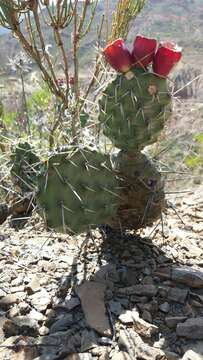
pixel 120 260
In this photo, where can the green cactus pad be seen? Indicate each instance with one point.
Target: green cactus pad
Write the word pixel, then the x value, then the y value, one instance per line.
pixel 133 112
pixel 142 191
pixel 25 168
pixel 78 189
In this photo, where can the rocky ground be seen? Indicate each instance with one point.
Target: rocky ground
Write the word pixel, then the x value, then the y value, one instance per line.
pixel 106 296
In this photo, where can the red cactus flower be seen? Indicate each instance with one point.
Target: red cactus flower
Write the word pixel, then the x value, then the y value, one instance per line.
pixel 143 51
pixel 167 56
pixel 118 55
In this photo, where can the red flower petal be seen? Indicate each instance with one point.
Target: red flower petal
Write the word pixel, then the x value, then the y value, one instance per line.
pixel 118 55
pixel 143 51
pixel 167 56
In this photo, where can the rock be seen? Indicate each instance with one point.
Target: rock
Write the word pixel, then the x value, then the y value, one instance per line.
pixel 36 315
pixel 2 322
pixel 191 328
pixel 130 341
pixel 115 307
pixel 43 330
pixel 165 307
pixel 21 349
pixel 178 295
pixel 146 290
pixel 33 286
pixel 171 355
pixel 71 302
pixel 11 299
pixel 91 295
pixel 20 325
pixel 17 289
pixel 23 307
pixel 62 343
pixel 146 315
pixel 62 324
pixel 142 327
pixel 40 300
pixel 172 321
pixel 121 356
pixel 192 355
pixel 88 340
pixel 2 293
pixel 127 316
pixel 82 356
pixel 188 276
pixel 196 346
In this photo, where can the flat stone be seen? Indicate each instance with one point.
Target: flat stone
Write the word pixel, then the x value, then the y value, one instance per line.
pixel 178 295
pixel 191 328
pixel 91 295
pixel 62 324
pixel 172 321
pixel 146 290
pixel 188 276
pixel 192 355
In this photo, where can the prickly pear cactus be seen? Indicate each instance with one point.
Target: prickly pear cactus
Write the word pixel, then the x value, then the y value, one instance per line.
pixel 142 191
pixel 26 165
pixel 78 189
pixel 133 111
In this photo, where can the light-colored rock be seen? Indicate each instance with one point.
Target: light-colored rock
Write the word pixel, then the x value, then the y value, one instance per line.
pixel 33 286
pixel 11 299
pixel 91 295
pixel 121 356
pixel 22 344
pixel 40 300
pixel 192 355
pixel 137 348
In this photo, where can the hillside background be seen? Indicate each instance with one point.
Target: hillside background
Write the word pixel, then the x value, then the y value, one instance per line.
pixel 178 20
